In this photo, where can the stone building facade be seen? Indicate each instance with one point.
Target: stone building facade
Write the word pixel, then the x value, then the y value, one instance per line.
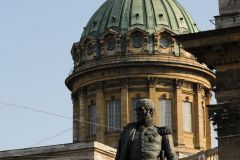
pixel 126 52
pixel 219 49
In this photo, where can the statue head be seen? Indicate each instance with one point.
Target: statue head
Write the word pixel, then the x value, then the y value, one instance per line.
pixel 144 110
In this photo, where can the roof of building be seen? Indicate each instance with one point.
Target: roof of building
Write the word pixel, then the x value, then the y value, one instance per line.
pixel 148 15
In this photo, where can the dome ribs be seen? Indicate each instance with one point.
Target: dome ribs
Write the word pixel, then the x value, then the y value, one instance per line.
pixel 137 9
pixel 116 12
pixel 106 16
pixel 150 16
pixel 167 14
pixel 172 15
pixel 188 18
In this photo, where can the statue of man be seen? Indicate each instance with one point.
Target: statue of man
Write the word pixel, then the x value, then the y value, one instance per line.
pixel 142 140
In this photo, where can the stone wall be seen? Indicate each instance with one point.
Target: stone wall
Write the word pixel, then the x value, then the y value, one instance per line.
pixel 77 151
pixel 229 147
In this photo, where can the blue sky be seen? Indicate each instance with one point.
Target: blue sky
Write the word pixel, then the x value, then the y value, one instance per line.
pixel 36 37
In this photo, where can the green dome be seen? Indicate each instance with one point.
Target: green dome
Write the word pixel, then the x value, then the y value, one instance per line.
pixel 148 15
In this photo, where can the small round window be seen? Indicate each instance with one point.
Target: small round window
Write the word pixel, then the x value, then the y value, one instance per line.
pixel 110 44
pixel 137 40
pixel 164 42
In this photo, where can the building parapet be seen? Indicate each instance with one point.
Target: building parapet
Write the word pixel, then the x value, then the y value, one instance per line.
pixel 211 154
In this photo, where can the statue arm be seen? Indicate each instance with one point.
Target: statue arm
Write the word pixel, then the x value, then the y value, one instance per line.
pixel 168 147
pixel 168 150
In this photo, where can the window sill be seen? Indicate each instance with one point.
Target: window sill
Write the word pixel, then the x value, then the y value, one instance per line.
pixel 112 134
pixel 189 134
pixel 91 138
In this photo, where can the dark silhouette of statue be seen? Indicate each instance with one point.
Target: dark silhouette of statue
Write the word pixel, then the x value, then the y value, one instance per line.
pixel 142 140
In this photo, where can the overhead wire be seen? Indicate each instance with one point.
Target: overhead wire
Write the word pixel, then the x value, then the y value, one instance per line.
pixel 51 137
pixel 54 114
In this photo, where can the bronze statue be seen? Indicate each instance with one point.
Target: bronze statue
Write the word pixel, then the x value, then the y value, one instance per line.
pixel 142 140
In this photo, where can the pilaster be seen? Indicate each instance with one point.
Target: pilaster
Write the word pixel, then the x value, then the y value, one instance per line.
pixel 208 97
pixel 178 113
pixel 152 82
pixel 124 103
pixel 198 117
pixel 76 114
pixel 100 111
pixel 82 132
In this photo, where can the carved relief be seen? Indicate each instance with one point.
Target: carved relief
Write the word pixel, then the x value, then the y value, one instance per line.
pixel 137 41
pixel 90 47
pixel 100 85
pixel 123 44
pixel 110 43
pixel 178 83
pixel 187 85
pixel 152 81
pixel 198 87
pixel 163 42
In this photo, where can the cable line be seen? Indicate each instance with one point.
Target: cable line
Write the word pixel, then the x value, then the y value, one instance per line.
pixel 53 114
pixel 54 136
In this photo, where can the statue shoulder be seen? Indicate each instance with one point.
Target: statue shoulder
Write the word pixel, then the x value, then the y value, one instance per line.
pixel 130 126
pixel 164 130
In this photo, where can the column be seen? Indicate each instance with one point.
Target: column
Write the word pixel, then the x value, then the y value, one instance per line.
pixel 75 118
pixel 152 82
pixel 178 113
pixel 101 112
pixel 82 132
pixel 124 103
pixel 208 97
pixel 198 117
